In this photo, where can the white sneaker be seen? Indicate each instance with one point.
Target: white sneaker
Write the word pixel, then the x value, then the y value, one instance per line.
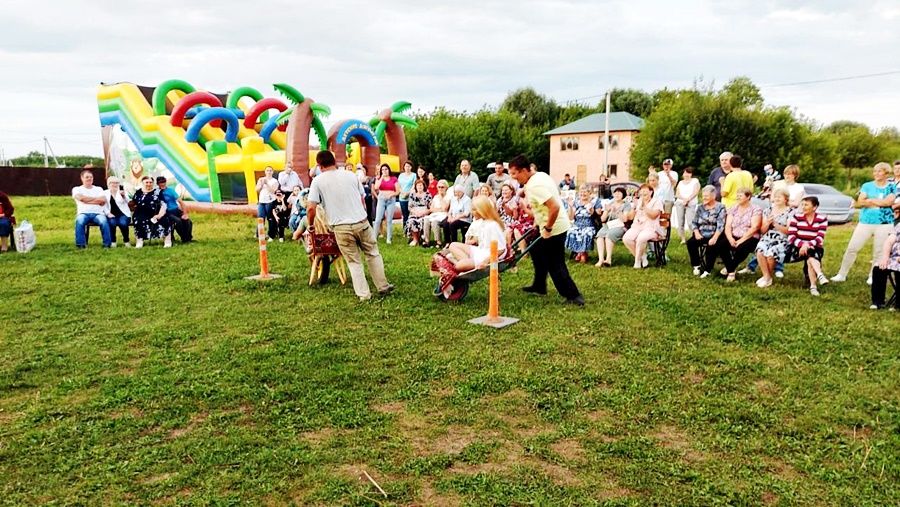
pixel 745 271
pixel 113 245
pixel 139 243
pixel 388 242
pixel 779 274
pixel 813 291
pixel 167 243
pixel 869 280
pixel 763 282
pixel 838 278
pixel 723 271
pixel 696 271
pixel 822 279
pixel 704 274
pixel 281 240
pixel 873 307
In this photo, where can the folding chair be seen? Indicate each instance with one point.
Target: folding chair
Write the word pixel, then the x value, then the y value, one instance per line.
pixel 658 247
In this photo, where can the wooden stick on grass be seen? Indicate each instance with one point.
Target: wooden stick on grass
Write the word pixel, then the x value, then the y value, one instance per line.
pixel 374 483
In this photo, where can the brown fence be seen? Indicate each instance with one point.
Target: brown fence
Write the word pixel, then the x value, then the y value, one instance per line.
pixel 45 180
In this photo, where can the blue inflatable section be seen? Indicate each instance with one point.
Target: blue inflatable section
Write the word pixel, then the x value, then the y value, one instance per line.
pixel 358 129
pixel 210 114
pixel 156 151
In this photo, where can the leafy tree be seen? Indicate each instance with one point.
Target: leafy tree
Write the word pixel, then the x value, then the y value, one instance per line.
pixel 857 146
pixel 36 159
pixel 533 108
pixel 629 100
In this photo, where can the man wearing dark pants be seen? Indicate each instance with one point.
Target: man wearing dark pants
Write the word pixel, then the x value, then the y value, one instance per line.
pixel 549 253
pixel 342 196
pixel 175 211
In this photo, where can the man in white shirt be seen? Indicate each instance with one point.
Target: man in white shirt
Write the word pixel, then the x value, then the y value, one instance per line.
pixel 466 178
pixel 341 195
pixel 668 179
pixel 288 179
pixel 90 202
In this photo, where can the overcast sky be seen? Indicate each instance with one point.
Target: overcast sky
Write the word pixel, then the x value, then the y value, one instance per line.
pixel 359 56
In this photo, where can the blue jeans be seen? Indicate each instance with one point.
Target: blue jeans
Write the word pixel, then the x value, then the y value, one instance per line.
pixel 81 223
pixel 122 223
pixel 404 210
pixel 264 210
pixel 385 210
pixel 754 263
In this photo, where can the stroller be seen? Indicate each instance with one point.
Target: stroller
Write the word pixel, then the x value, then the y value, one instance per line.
pixel 453 285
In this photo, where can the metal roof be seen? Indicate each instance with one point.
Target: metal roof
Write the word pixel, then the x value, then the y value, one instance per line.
pixel 618 121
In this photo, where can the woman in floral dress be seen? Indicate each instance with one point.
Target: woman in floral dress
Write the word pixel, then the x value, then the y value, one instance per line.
pixel 418 205
pixel 580 238
pixel 773 245
pixel 149 214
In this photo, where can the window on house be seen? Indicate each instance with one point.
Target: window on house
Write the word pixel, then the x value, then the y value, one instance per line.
pixel 568 143
pixel 614 142
pixel 613 170
pixel 600 143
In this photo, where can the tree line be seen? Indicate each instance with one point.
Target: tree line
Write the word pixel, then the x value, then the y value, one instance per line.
pixel 692 126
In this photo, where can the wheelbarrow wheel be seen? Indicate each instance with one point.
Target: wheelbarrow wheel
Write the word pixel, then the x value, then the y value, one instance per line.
pixel 321 271
pixel 456 292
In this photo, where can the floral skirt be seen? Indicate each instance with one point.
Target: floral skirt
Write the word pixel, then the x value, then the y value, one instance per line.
pixel 773 244
pixel 580 239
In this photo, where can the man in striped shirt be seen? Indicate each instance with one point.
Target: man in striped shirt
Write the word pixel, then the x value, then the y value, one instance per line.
pixel 806 236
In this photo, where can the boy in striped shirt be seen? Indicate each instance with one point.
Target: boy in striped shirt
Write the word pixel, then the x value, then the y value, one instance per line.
pixel 806 237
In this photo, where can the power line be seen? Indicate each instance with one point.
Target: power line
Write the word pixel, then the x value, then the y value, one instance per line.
pixel 833 79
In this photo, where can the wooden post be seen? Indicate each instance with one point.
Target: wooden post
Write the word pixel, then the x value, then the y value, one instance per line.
pixel 263 253
pixel 493 318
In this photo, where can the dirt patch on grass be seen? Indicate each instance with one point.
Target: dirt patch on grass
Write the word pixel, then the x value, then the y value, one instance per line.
pixel 611 491
pixel 512 455
pixel 569 449
pixel 454 441
pixel 781 470
pixel 693 378
pixel 318 437
pixel 127 412
pixel 857 432
pixel 157 478
pixel 429 497
pixel 765 388
pixel 80 397
pixel 769 498
pixel 670 437
pixel 8 417
pixel 195 421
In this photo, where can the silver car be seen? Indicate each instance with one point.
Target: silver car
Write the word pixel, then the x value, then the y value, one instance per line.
pixel 836 206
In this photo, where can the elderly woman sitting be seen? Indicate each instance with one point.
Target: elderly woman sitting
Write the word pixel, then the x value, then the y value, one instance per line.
pixel 742 226
pixel 486 227
pixel 645 214
pixel 889 262
pixel 580 237
pixel 708 225
pixel 440 204
pixel 806 239
pixel 613 218
pixel 459 216
pixel 773 245
pixel 418 207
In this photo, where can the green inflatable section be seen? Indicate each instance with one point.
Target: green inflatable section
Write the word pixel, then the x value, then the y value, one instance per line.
pixel 159 94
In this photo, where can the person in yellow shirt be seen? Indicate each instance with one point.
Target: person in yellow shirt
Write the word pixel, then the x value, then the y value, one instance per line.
pixel 737 179
pixel 549 253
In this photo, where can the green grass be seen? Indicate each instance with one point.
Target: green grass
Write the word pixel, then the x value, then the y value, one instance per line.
pixel 163 377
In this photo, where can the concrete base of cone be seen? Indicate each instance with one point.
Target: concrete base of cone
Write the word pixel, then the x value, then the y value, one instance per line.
pixel 270 276
pixel 498 323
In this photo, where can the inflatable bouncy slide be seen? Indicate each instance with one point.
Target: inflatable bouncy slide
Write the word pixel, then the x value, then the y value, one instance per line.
pixel 212 147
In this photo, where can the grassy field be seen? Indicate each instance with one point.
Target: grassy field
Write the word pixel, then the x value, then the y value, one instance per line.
pixel 163 377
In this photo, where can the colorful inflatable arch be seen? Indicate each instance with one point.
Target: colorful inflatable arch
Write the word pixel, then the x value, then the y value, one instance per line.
pixel 215 145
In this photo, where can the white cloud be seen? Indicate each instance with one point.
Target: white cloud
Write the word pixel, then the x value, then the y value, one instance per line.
pixel 360 56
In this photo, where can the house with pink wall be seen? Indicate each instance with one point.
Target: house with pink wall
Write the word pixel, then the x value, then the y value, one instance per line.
pixel 578 148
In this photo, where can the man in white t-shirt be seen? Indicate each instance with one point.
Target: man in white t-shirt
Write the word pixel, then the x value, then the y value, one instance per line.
pixel 341 195
pixel 90 202
pixel 549 252
pixel 665 191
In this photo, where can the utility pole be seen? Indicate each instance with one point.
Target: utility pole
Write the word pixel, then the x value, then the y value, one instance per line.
pixel 49 148
pixel 46 162
pixel 606 139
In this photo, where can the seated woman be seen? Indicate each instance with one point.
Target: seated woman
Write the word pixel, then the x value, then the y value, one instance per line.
pixel 148 215
pixel 486 227
pixel 708 225
pixel 440 204
pixel 459 217
pixel 117 211
pixel 771 248
pixel 580 237
pixel 889 261
pixel 486 191
pixel 742 225
pixel 7 221
pixel 806 239
pixel 645 214
pixel 419 207
pixel 297 220
pixel 613 218
pixel 508 209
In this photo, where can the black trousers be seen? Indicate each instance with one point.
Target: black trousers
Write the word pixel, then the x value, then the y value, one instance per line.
pixel 879 286
pixel 450 229
pixel 709 258
pixel 184 228
pixel 733 257
pixel 549 258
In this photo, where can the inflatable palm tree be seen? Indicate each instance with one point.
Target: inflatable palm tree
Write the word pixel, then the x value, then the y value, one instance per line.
pixel 305 114
pixel 389 123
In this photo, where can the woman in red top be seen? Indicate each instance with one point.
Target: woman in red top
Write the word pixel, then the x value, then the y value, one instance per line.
pixel 432 183
pixel 6 221
pixel 386 190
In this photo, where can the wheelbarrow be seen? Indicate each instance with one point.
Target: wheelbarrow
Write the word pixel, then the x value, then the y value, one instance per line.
pixel 453 285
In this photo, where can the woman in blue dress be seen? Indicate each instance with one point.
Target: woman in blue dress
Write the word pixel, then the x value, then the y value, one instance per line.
pixel 580 238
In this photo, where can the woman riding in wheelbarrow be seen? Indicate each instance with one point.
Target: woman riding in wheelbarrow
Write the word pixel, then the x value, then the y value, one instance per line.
pixel 475 253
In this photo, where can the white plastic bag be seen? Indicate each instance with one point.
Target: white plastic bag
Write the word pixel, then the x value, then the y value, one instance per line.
pixel 24 237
